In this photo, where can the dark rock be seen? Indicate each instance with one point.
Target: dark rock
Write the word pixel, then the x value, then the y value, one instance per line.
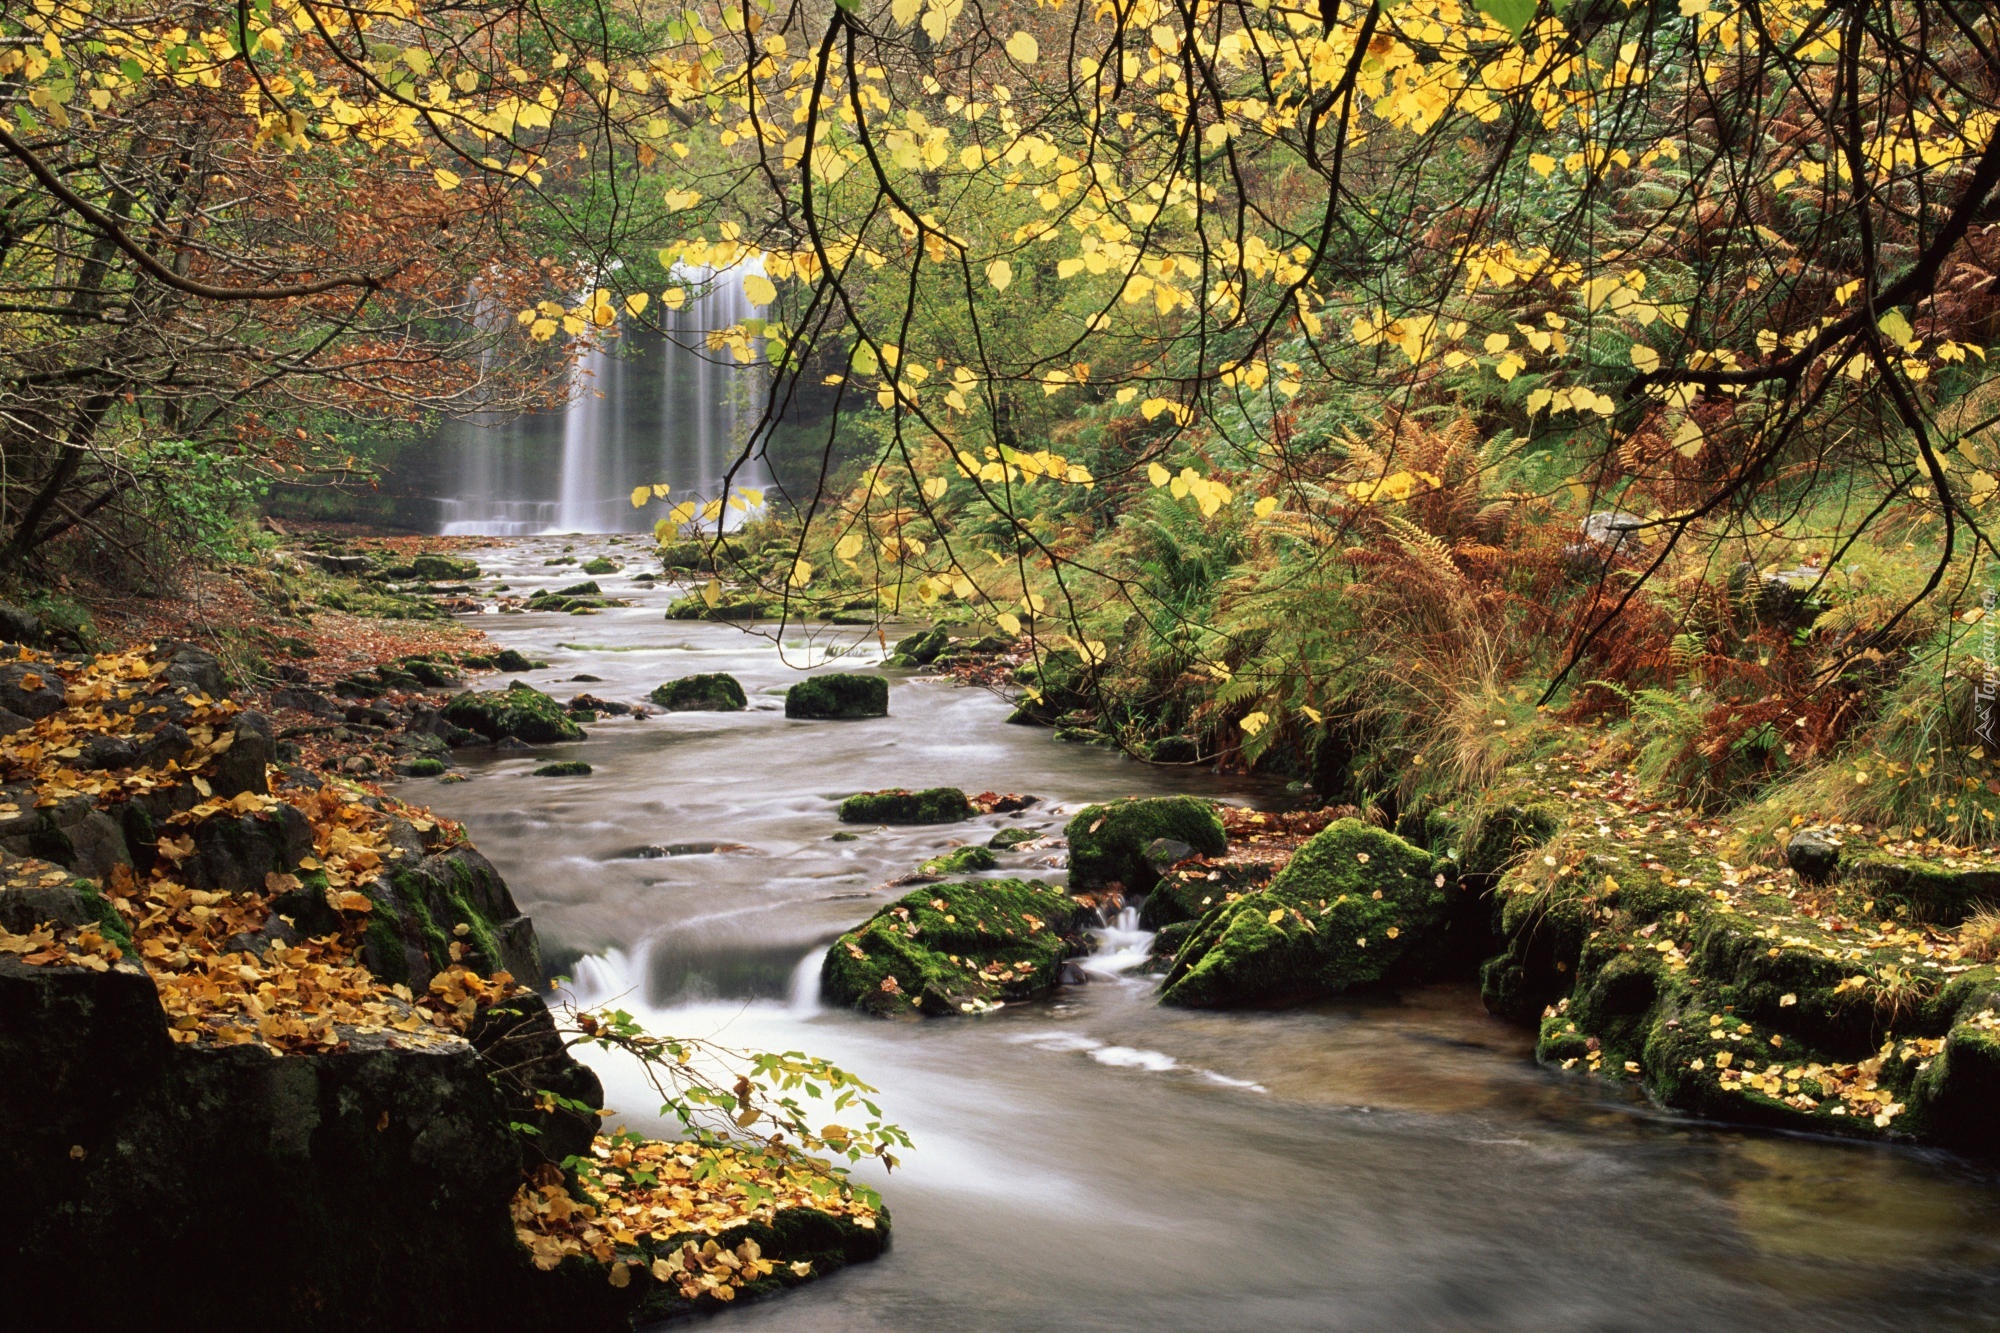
pixel 1009 838
pixel 919 649
pixel 77 903
pixel 1609 536
pixel 233 853
pixel 107 752
pixel 1107 843
pixel 193 669
pixel 31 689
pixel 527 1056
pixel 935 805
pixel 585 678
pixel 838 696
pixel 711 692
pixel 11 722
pixel 1814 853
pixel 588 588
pixel 1174 750
pixel 592 704
pixel 242 766
pixel 73 833
pixel 432 675
pixel 421 768
pixel 509 660
pixel 170 742
pixel 1163 854
pixel 300 699
pixel 420 907
pixel 19 625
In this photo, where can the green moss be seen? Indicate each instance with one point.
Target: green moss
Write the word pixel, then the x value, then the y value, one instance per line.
pixel 564 768
pixel 1938 892
pixel 600 565
pixel 712 692
pixel 838 696
pixel 1355 906
pixel 957 948
pixel 738 606
pixel 443 569
pixel 934 805
pixel 109 923
pixel 519 711
pixel 960 861
pixel 1107 843
pixel 1007 839
pixel 424 768
pixel 1186 895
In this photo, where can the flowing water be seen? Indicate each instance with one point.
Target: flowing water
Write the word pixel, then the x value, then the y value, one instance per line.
pixel 1099 1162
pixel 644 407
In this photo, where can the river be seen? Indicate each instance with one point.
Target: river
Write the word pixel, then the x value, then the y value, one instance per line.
pixel 1099 1162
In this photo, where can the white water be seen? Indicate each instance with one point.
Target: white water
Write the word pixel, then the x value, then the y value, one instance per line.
pixel 642 408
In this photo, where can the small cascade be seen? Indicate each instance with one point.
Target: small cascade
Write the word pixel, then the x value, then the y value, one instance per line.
pixel 614 975
pixel 1121 947
pixel 644 407
pixel 802 1001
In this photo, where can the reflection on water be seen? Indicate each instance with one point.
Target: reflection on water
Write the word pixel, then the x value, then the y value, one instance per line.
pixel 1098 1162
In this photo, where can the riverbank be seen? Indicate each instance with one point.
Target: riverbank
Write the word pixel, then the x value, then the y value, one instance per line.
pixel 223 960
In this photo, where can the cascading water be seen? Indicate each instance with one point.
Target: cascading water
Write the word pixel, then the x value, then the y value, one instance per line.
pixel 643 408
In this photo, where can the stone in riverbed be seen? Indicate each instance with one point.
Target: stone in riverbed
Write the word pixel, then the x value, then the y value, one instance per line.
pixel 1007 839
pixel 957 948
pixel 934 805
pixel 838 696
pixel 960 861
pixel 519 711
pixel 443 569
pixel 564 768
pixel 1107 843
pixel 30 689
pixel 1355 906
pixel 709 692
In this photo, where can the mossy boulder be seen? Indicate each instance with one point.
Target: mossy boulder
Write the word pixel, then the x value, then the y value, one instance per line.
pixel 960 861
pixel 920 649
pixel 838 696
pixel 708 692
pixel 564 768
pixel 933 805
pixel 507 659
pixel 443 569
pixel 600 565
pixel 1107 843
pixel 739 606
pixel 1355 907
pixel 1187 895
pixel 588 588
pixel 957 948
pixel 519 711
pixel 1940 893
pixel 1007 839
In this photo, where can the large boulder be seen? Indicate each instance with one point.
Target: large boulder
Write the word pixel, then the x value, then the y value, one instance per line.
pixel 709 692
pixel 933 805
pixel 30 689
pixel 432 911
pixel 1108 843
pixel 443 569
pixel 838 696
pixel 520 711
pixel 1355 906
pixel 364 1187
pixel 957 948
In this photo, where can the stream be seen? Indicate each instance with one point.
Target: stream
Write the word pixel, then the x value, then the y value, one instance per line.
pixel 1100 1162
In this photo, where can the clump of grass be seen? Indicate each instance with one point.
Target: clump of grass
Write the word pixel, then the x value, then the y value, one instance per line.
pixel 1979 936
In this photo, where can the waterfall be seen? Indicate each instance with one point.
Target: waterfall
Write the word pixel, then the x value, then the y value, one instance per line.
pixel 642 408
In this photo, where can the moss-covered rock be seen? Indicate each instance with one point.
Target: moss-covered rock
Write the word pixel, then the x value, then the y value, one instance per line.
pixel 1356 906
pixel 920 649
pixel 507 659
pixel 1107 843
pixel 957 948
pixel 1187 895
pixel 730 606
pixel 421 768
pixel 600 565
pixel 933 805
pixel 443 569
pixel 564 768
pixel 1007 839
pixel 520 711
pixel 838 696
pixel 1937 892
pixel 960 861
pixel 708 692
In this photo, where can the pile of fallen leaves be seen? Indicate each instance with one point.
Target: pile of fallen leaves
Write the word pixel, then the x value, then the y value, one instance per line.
pixel 657 1208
